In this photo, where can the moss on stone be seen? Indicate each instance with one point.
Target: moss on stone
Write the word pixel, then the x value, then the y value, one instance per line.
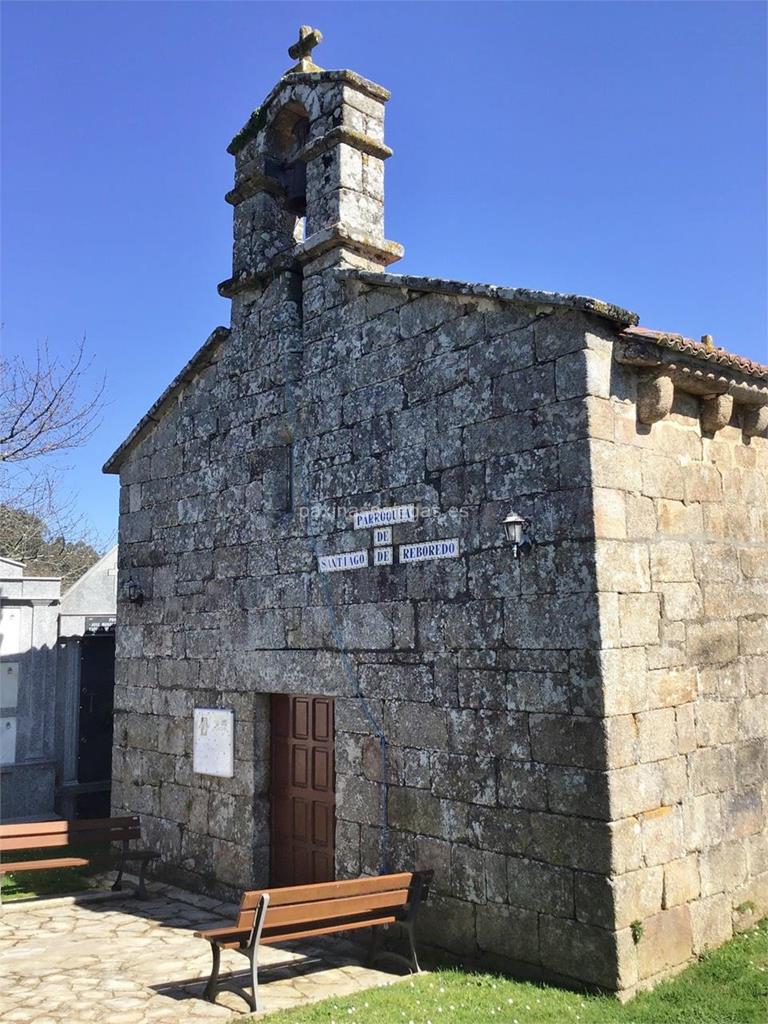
pixel 250 129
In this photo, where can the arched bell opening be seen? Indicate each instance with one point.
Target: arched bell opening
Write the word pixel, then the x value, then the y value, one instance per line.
pixel 286 137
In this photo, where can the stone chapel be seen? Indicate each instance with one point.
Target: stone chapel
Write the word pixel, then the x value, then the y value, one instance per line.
pixel 421 573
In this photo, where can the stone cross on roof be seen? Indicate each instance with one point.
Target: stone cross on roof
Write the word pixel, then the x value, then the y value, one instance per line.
pixel 302 50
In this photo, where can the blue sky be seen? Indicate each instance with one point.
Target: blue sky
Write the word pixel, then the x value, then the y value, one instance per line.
pixel 611 149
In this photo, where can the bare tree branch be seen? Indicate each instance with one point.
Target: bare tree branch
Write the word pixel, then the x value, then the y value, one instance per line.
pixel 41 408
pixel 45 409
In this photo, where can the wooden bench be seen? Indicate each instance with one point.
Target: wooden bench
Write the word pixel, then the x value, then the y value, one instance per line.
pixel 36 836
pixel 269 916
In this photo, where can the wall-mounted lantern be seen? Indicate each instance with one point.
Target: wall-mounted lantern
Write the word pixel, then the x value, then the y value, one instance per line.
pixel 132 592
pixel 516 531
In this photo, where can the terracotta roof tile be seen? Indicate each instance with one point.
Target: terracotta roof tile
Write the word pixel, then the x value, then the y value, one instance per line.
pixel 699 350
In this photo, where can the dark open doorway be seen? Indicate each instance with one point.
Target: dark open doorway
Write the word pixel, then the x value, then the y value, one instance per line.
pixel 303 790
pixel 94 748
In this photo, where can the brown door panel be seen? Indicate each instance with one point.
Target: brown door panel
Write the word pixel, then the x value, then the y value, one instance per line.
pixel 303 790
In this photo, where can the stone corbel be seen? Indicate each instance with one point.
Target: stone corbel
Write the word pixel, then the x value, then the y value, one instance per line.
pixel 349 137
pixel 251 185
pixel 378 250
pixel 654 398
pixel 716 412
pixel 755 420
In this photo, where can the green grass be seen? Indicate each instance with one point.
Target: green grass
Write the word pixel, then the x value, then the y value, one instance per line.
pixel 23 885
pixel 727 986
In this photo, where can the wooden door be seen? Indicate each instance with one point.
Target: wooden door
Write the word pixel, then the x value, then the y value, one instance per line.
pixel 303 790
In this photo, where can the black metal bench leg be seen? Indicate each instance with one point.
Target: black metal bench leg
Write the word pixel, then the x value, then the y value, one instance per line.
pixel 118 881
pixel 373 946
pixel 254 999
pixel 209 992
pixel 412 944
pixel 141 892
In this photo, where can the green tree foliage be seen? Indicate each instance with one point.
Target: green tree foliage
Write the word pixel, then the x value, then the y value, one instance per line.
pixel 25 537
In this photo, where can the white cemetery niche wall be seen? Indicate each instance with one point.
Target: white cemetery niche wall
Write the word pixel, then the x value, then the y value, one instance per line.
pixel 10 638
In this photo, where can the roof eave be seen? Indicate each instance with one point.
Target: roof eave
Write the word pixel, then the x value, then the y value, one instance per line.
pixel 585 303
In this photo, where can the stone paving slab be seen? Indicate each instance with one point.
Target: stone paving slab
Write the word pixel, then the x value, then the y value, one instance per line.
pixel 118 960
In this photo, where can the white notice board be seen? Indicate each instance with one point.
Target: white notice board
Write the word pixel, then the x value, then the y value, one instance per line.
pixel 213 747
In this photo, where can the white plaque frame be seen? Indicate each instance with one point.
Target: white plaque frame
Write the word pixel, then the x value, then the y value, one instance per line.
pixel 213 742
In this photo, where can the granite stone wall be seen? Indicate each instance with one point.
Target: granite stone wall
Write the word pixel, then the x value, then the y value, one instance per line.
pixel 682 572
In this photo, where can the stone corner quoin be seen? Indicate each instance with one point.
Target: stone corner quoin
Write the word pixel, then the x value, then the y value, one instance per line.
pixel 574 740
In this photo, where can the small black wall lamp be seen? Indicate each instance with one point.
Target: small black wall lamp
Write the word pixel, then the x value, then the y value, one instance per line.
pixel 516 531
pixel 132 592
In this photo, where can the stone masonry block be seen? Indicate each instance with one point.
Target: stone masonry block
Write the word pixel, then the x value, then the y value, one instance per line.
pixel 540 887
pixel 622 566
pixel 615 466
pixel 681 881
pixel 676 518
pixel 614 903
pixel 641 517
pixel 623 679
pixel 711 770
pixel 460 777
pixel 579 951
pixel 508 932
pixel 635 789
pixel 670 687
pixel 743 812
pixel 702 822
pixel 448 924
pixel 753 636
pixel 586 372
pixel 716 722
pixel 567 740
pixel 501 733
pixel 667 941
pixel 610 514
pixel 522 784
pixel 468 873
pixel 579 842
pixel 723 868
pixel 681 600
pixel 662 475
pixel 671 562
pixel 639 619
pixel 711 922
pixel 657 734
pixel 578 791
pixel 685 722
pixel 661 833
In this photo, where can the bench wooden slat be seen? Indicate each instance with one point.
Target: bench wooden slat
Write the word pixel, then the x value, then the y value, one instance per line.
pixel 230 938
pixel 44 865
pixel 43 842
pixel 329 929
pixel 327 890
pixel 354 906
pixel 37 828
